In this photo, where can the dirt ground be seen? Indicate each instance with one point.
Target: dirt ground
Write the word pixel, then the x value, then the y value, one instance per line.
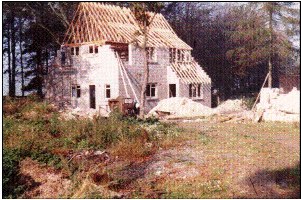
pixel 210 160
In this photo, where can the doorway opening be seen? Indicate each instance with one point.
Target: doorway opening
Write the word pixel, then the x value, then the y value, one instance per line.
pixel 92 96
pixel 172 90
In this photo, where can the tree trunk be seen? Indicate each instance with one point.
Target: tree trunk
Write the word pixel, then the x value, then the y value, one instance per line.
pixel 39 73
pixel 271 47
pixel 21 56
pixel 146 75
pixel 9 62
pixel 13 51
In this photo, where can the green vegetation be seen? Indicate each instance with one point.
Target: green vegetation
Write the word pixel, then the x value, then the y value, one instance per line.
pixel 10 163
pixel 217 159
pixel 36 128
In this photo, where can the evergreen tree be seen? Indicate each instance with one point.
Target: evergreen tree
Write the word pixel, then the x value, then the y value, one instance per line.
pixel 259 38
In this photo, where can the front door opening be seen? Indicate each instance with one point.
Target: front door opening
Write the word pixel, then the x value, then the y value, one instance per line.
pixel 172 90
pixel 92 96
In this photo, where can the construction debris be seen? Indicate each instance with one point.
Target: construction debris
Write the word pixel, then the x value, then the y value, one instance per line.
pixel 273 106
pixel 76 113
pixel 177 107
pixel 231 106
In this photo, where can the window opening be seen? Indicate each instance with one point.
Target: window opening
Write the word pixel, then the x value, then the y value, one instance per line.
pixel 90 49
pixel 172 90
pixel 108 91
pixel 195 90
pixel 63 57
pixel 92 96
pixel 75 91
pixel 172 55
pixel 150 90
pixel 77 51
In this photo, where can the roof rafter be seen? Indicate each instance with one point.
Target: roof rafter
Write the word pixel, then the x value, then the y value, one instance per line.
pixel 101 22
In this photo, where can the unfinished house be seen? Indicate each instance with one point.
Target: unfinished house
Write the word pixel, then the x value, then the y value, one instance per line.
pixel 101 58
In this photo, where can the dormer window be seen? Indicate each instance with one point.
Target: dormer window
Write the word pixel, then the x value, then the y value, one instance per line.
pixel 172 55
pixel 75 51
pixel 93 49
pixel 179 55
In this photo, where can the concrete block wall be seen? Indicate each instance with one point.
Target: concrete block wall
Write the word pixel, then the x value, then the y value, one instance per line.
pixel 206 88
pixel 102 68
pixel 157 74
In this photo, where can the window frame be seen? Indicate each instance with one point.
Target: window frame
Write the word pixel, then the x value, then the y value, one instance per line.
pixel 196 91
pixel 151 91
pixel 172 55
pixel 91 49
pixel 75 91
pixel 77 50
pixel 107 89
pixel 63 58
pixel 74 51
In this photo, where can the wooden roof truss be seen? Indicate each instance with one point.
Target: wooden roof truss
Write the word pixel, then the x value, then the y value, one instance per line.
pixel 98 23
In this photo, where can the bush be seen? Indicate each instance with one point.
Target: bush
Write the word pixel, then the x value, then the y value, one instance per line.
pixel 11 169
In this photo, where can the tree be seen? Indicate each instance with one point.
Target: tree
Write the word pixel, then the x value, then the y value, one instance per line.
pixel 10 11
pixel 45 33
pixel 258 35
pixel 141 12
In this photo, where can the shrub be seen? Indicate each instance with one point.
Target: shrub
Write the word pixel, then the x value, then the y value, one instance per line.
pixel 11 169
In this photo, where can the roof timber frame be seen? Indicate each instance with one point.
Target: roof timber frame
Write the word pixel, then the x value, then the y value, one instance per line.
pixel 98 23
pixel 190 73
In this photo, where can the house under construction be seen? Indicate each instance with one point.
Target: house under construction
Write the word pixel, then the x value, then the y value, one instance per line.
pixel 101 58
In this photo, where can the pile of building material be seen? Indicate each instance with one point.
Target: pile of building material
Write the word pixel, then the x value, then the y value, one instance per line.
pixel 231 106
pixel 177 107
pixel 275 106
pixel 233 111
